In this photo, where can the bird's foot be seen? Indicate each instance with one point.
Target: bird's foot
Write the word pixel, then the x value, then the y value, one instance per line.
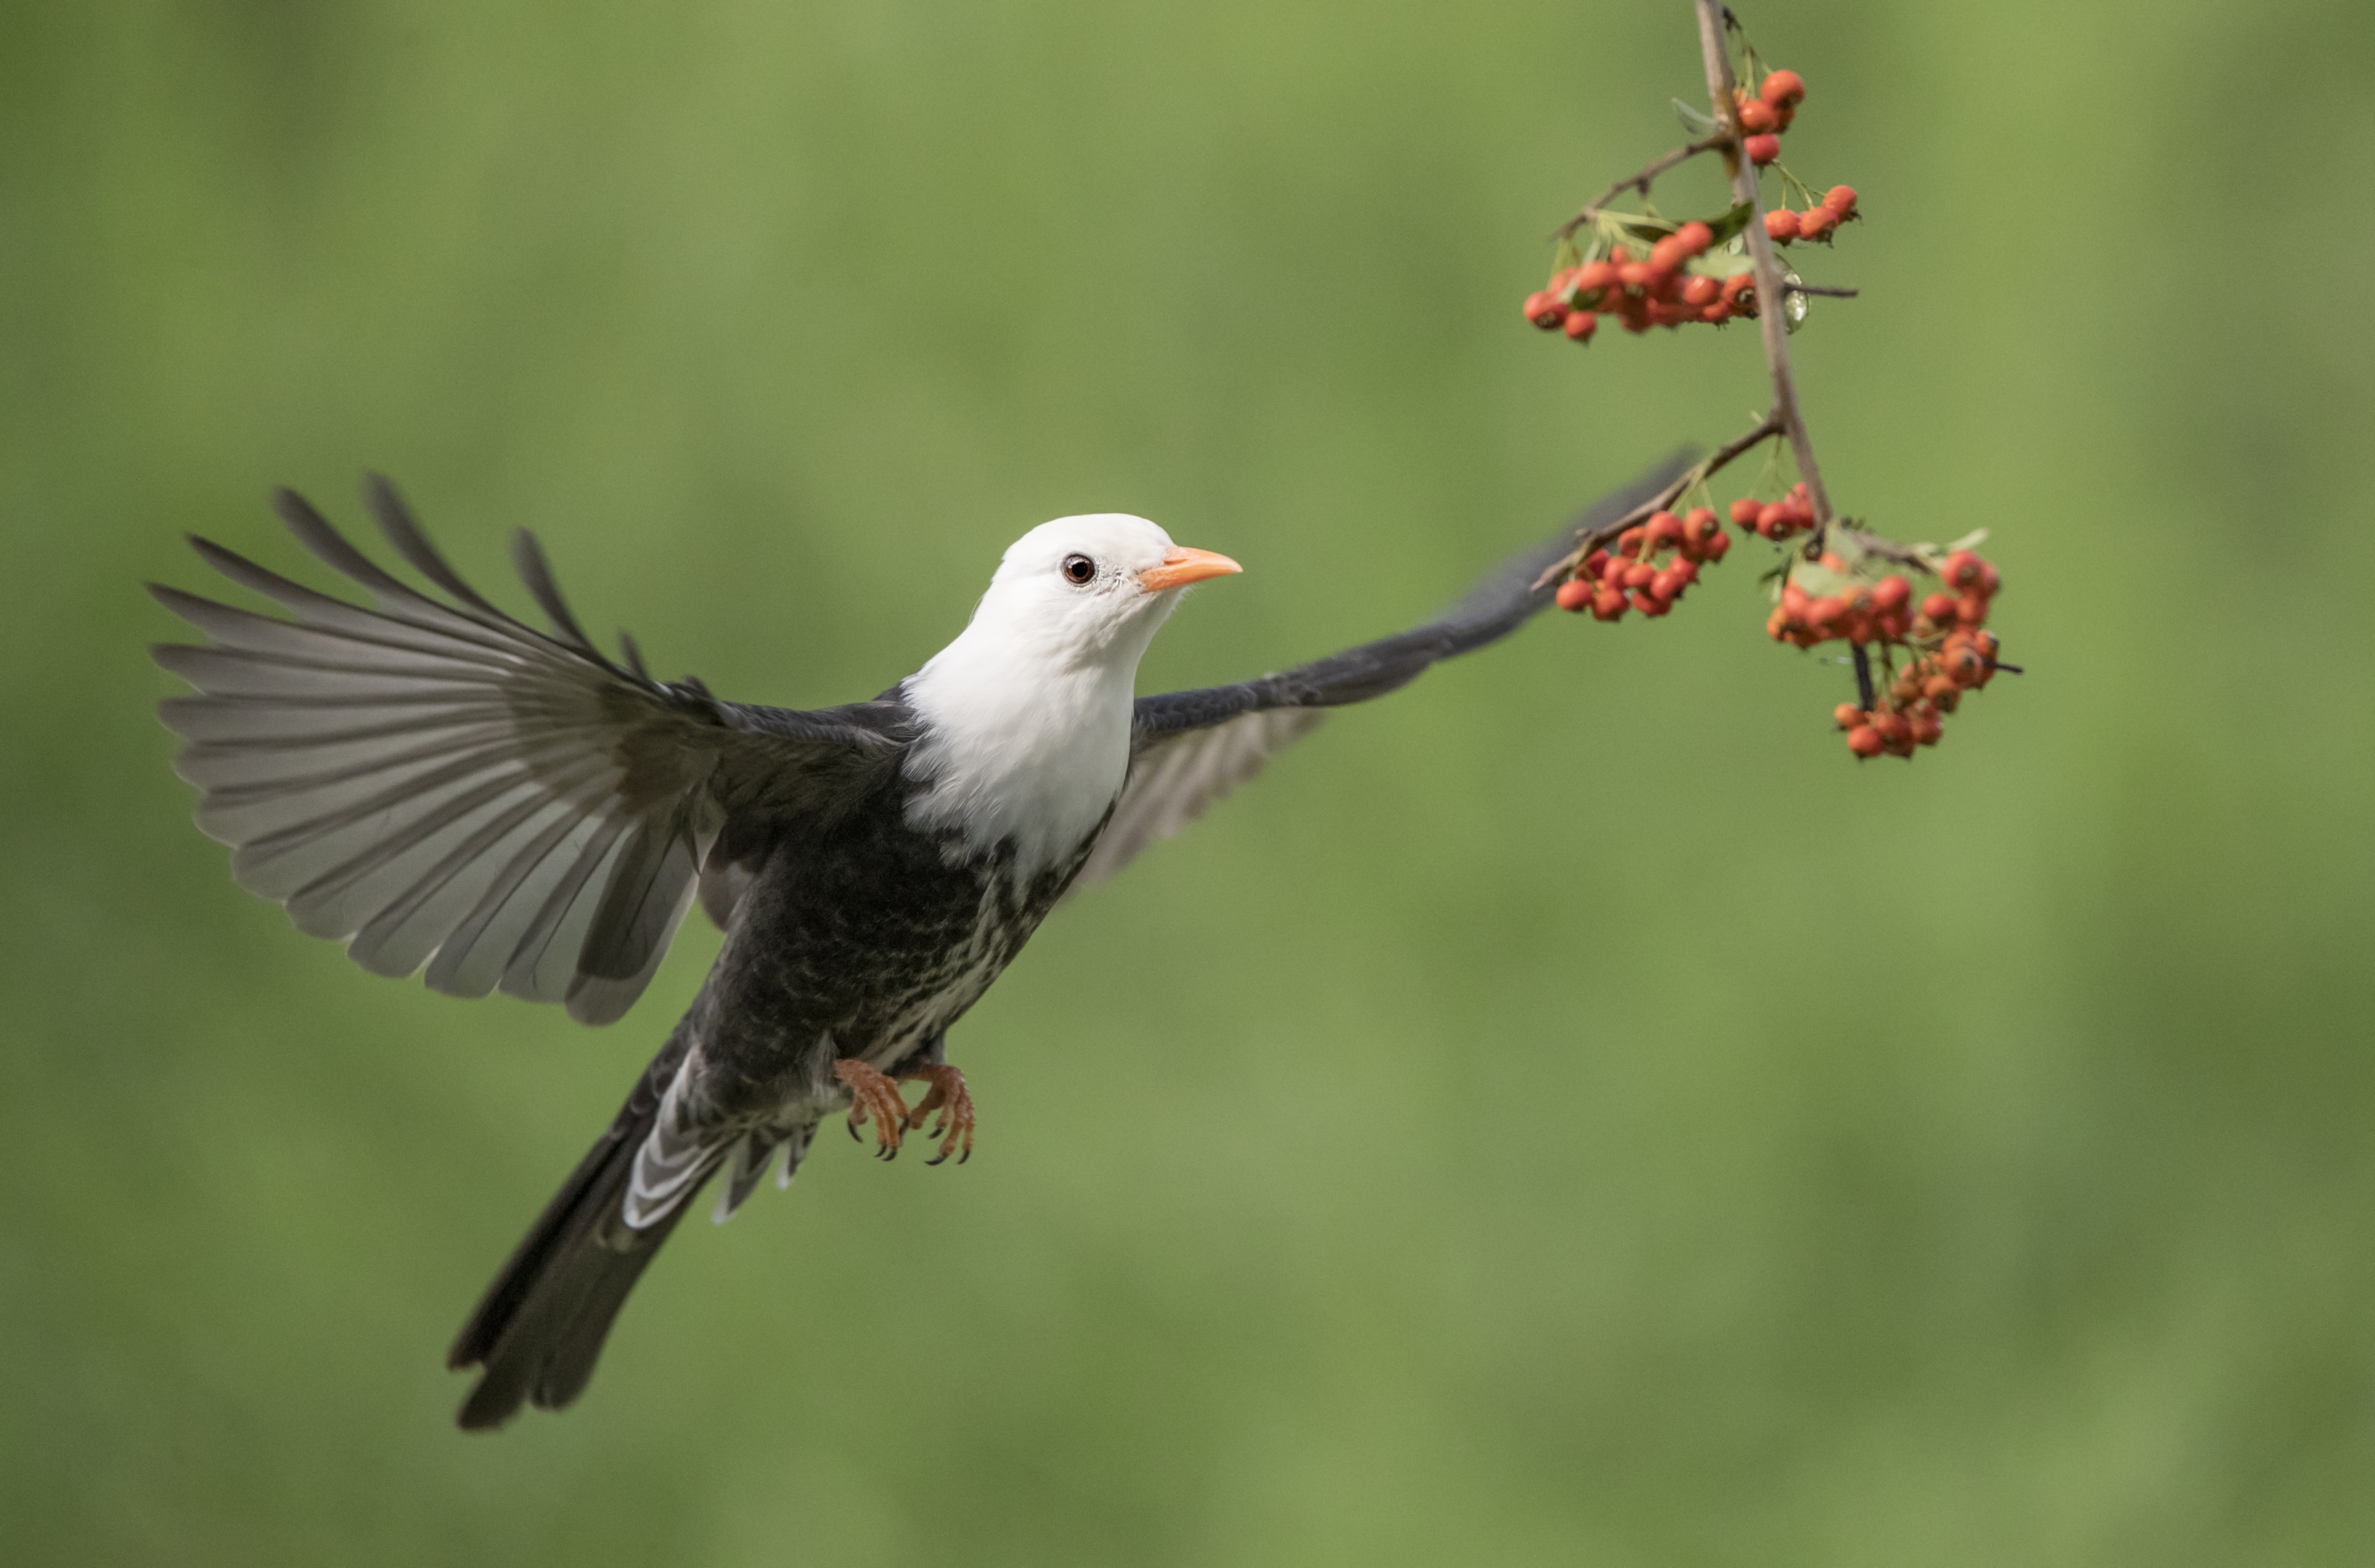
pixel 872 1094
pixel 948 1096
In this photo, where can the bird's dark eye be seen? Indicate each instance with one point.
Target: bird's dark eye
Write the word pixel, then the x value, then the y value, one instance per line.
pixel 1079 568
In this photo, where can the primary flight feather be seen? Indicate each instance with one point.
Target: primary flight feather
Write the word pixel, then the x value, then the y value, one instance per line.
pixel 447 790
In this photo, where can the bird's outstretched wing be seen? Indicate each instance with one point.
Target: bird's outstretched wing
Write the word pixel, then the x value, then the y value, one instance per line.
pixel 436 784
pixel 1189 749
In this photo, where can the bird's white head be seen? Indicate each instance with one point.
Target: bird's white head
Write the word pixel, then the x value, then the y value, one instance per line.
pixel 1091 590
pixel 1028 711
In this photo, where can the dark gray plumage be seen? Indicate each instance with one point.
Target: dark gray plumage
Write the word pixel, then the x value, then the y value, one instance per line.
pixel 449 790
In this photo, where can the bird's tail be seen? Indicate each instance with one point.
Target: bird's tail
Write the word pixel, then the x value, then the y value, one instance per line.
pixel 539 1328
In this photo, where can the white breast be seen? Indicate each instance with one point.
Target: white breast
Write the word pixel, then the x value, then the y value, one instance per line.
pixel 1010 752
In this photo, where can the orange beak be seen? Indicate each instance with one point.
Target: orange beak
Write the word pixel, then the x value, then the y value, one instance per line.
pixel 1182 566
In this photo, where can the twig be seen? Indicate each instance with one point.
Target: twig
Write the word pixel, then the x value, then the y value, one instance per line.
pixel 1826 293
pixel 1695 476
pixel 1640 179
pixel 1770 322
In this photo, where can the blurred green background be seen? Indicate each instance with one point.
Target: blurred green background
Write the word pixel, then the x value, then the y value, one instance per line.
pixel 1567 1112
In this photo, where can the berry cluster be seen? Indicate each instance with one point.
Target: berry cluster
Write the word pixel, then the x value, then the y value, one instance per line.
pixel 1776 520
pixel 1953 650
pixel 1767 112
pixel 1611 581
pixel 1817 222
pixel 1654 290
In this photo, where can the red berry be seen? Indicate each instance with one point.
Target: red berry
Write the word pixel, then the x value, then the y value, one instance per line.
pixel 1607 604
pixel 1841 199
pixel 1575 593
pixel 1648 604
pixel 1544 310
pixel 1639 574
pixel 1970 610
pixel 1847 715
pixel 1663 528
pixel 1962 569
pixel 1781 225
pixel 1669 254
pixel 1939 606
pixel 1717 546
pixel 1864 741
pixel 1695 236
pixel 1594 563
pixel 1614 570
pixel 1666 585
pixel 1581 324
pixel 1891 592
pixel 1762 150
pixel 1989 581
pixel 1926 727
pixel 1783 88
pixel 1701 291
pixel 1756 116
pixel 1593 276
pixel 1629 542
pixel 1745 510
pixel 1815 222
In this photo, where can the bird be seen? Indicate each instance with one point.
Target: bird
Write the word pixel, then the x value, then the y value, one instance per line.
pixel 451 792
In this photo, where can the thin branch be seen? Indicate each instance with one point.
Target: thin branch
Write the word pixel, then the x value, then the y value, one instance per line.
pixel 1696 475
pixel 1639 181
pixel 1773 326
pixel 1817 289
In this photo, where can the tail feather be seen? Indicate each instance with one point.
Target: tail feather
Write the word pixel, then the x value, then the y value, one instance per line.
pixel 539 1328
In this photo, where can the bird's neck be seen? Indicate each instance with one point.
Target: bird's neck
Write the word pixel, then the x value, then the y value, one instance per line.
pixel 1018 745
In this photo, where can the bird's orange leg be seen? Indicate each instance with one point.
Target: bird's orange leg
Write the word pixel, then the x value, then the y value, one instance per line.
pixel 950 1097
pixel 871 1094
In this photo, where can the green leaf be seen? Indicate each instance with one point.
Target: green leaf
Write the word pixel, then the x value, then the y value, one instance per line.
pixel 1697 124
pixel 1732 222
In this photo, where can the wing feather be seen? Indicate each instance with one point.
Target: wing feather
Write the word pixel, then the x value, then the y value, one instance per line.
pixel 1189 749
pixel 447 789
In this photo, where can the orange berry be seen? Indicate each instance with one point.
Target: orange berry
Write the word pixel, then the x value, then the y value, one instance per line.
pixel 1816 222
pixel 1890 592
pixel 1939 606
pixel 1757 116
pixel 1938 689
pixel 1783 88
pixel 1629 542
pixel 1781 225
pixel 1575 593
pixel 1639 574
pixel 1864 741
pixel 1926 727
pixel 1669 254
pixel 1607 604
pixel 1718 546
pixel 1962 569
pixel 1847 715
pixel 1544 310
pixel 1841 199
pixel 1594 563
pixel 1762 150
pixel 1581 324
pixel 1663 528
pixel 1745 510
pixel 1989 581
pixel 1701 291
pixel 1777 624
pixel 1970 610
pixel 1695 236
pixel 1649 604
pixel 1593 276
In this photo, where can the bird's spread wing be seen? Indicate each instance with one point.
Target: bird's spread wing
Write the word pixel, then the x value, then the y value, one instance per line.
pixel 1188 748
pixel 434 783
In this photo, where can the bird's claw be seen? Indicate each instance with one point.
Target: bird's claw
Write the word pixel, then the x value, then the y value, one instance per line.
pixel 947 1097
pixel 873 1096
